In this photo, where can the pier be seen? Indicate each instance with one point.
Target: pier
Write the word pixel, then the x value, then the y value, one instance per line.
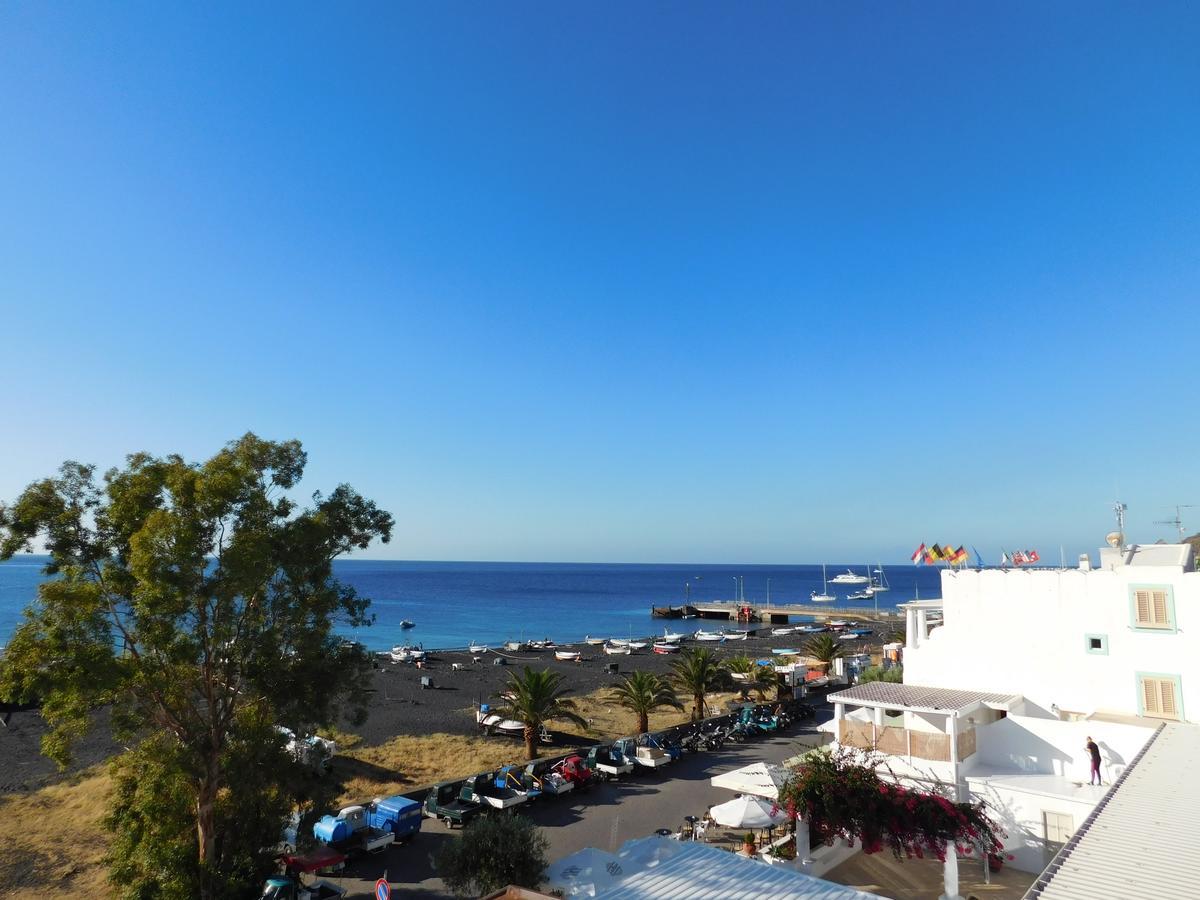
pixel 737 611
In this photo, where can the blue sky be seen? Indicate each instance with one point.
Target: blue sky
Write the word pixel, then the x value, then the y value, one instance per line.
pixel 636 282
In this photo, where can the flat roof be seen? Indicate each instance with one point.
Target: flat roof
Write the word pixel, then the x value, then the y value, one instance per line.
pixel 1043 784
pixel 695 871
pixel 921 604
pixel 1140 840
pixel 914 696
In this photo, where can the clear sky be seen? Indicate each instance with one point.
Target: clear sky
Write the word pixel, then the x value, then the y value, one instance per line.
pixel 770 282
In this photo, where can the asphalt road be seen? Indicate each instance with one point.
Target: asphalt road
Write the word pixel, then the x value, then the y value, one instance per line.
pixel 605 816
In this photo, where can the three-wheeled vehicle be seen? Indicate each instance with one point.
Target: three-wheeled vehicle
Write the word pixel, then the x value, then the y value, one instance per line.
pixel 453 802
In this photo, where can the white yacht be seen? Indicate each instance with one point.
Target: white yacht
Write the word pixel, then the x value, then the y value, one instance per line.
pixel 850 577
pixel 824 596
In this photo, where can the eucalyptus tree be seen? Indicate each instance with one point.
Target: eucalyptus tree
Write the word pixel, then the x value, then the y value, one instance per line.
pixel 642 693
pixel 198 601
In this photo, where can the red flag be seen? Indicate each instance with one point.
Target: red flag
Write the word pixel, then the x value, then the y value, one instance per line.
pixel 919 555
pixel 1032 556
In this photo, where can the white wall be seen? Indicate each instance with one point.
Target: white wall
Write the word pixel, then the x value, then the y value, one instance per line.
pixel 1048 746
pixel 1019 814
pixel 1023 631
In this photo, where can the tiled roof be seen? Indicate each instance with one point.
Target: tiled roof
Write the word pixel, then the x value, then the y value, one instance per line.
pixel 1140 840
pixel 916 696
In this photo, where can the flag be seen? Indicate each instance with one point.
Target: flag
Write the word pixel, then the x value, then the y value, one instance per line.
pixel 929 560
pixel 978 558
pixel 1004 558
pixel 960 555
pixel 936 552
pixel 919 555
pixel 1018 558
pixel 1032 556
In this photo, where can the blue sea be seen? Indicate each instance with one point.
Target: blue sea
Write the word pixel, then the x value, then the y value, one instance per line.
pixel 454 603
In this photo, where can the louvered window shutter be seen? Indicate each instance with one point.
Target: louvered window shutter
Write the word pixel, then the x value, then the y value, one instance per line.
pixel 1150 696
pixel 1167 693
pixel 1142 600
pixel 1159 603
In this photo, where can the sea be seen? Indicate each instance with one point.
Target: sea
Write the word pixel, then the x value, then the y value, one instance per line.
pixel 454 603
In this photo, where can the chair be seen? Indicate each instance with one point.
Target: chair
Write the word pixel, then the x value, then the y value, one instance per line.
pixel 700 831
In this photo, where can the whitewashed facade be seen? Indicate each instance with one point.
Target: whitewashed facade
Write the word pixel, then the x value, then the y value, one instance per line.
pixel 1119 638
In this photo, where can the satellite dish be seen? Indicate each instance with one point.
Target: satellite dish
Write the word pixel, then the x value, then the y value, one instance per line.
pixel 1114 539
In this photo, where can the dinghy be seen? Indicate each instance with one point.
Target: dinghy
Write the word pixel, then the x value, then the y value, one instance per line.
pixel 662 647
pixel 568 655
pixel 614 650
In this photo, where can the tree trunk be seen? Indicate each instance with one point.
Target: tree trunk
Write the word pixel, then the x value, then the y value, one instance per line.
pixel 643 722
pixel 531 750
pixel 206 826
pixel 698 707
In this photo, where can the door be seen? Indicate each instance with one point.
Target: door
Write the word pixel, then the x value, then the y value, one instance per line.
pixel 1057 828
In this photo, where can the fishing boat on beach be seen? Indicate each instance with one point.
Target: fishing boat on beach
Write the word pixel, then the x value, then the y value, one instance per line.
pixel 782 632
pixel 731 634
pixel 664 647
pixel 594 642
pixel 568 655
pixel 406 653
pixel 783 651
pixel 617 650
pixel 546 644
pixel 476 649
pixel 701 635
pixel 632 645
pixel 850 577
pixel 671 637
pixel 516 646
pixel 824 596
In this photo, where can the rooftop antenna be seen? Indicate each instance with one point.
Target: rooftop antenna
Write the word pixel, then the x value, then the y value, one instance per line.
pixel 1177 521
pixel 1119 508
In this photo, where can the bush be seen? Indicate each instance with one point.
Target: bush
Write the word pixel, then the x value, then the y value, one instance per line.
pixel 894 675
pixel 493 852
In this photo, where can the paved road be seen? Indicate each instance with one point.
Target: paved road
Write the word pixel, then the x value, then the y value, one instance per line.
pixel 606 816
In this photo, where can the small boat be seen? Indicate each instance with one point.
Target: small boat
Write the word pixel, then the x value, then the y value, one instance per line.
pixel 636 645
pixel 783 651
pixel 477 649
pixel 734 635
pixel 671 637
pixel 781 632
pixel 810 629
pixel 546 644
pixel 516 646
pixel 849 577
pixel 614 650
pixel 406 623
pixel 879 582
pixel 490 722
pixel 406 653
pixel 861 595
pixel 824 596
pixel 838 623
pixel 663 647
pixel 595 642
pixel 708 636
pixel 568 655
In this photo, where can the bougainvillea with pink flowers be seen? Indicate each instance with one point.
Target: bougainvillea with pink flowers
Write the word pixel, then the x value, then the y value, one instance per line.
pixel 840 794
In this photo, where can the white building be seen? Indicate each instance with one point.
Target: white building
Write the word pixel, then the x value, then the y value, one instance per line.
pixel 1001 694
pixel 1120 639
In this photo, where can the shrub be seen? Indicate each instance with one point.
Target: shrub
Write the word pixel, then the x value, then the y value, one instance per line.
pixel 494 851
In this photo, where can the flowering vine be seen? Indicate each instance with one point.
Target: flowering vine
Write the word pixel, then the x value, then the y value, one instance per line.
pixel 840 794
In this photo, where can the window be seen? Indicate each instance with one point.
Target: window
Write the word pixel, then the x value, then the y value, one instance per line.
pixel 1152 608
pixel 1096 643
pixel 1159 696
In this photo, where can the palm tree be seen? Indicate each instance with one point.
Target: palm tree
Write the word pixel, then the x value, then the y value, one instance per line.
pixel 697 672
pixel 746 667
pixel 643 692
pixel 824 648
pixel 535 698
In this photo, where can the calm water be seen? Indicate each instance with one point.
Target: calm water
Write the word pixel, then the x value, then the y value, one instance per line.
pixel 455 603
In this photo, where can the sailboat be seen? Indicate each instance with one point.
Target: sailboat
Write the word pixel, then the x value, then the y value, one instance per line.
pixel 878 582
pixel 824 596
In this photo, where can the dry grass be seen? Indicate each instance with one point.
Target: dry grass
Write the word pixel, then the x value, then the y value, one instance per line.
pixel 52 839
pixel 53 842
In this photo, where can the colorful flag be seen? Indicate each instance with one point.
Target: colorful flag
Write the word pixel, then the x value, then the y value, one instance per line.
pixel 1018 558
pixel 919 556
pixel 960 555
pixel 1032 556
pixel 936 552
pixel 1004 558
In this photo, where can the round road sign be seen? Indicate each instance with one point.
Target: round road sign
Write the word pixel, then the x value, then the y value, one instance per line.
pixel 383 890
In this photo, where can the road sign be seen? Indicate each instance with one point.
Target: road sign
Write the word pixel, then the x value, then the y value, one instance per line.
pixel 383 890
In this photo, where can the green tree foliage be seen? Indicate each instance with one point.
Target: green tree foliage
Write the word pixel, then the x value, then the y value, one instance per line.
pixel 752 676
pixel 894 675
pixel 534 698
pixel 642 693
pixel 494 851
pixel 824 648
pixel 697 672
pixel 197 600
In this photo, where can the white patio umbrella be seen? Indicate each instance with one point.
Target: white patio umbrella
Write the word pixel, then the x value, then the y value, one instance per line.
pixel 747 812
pixel 760 779
pixel 585 874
